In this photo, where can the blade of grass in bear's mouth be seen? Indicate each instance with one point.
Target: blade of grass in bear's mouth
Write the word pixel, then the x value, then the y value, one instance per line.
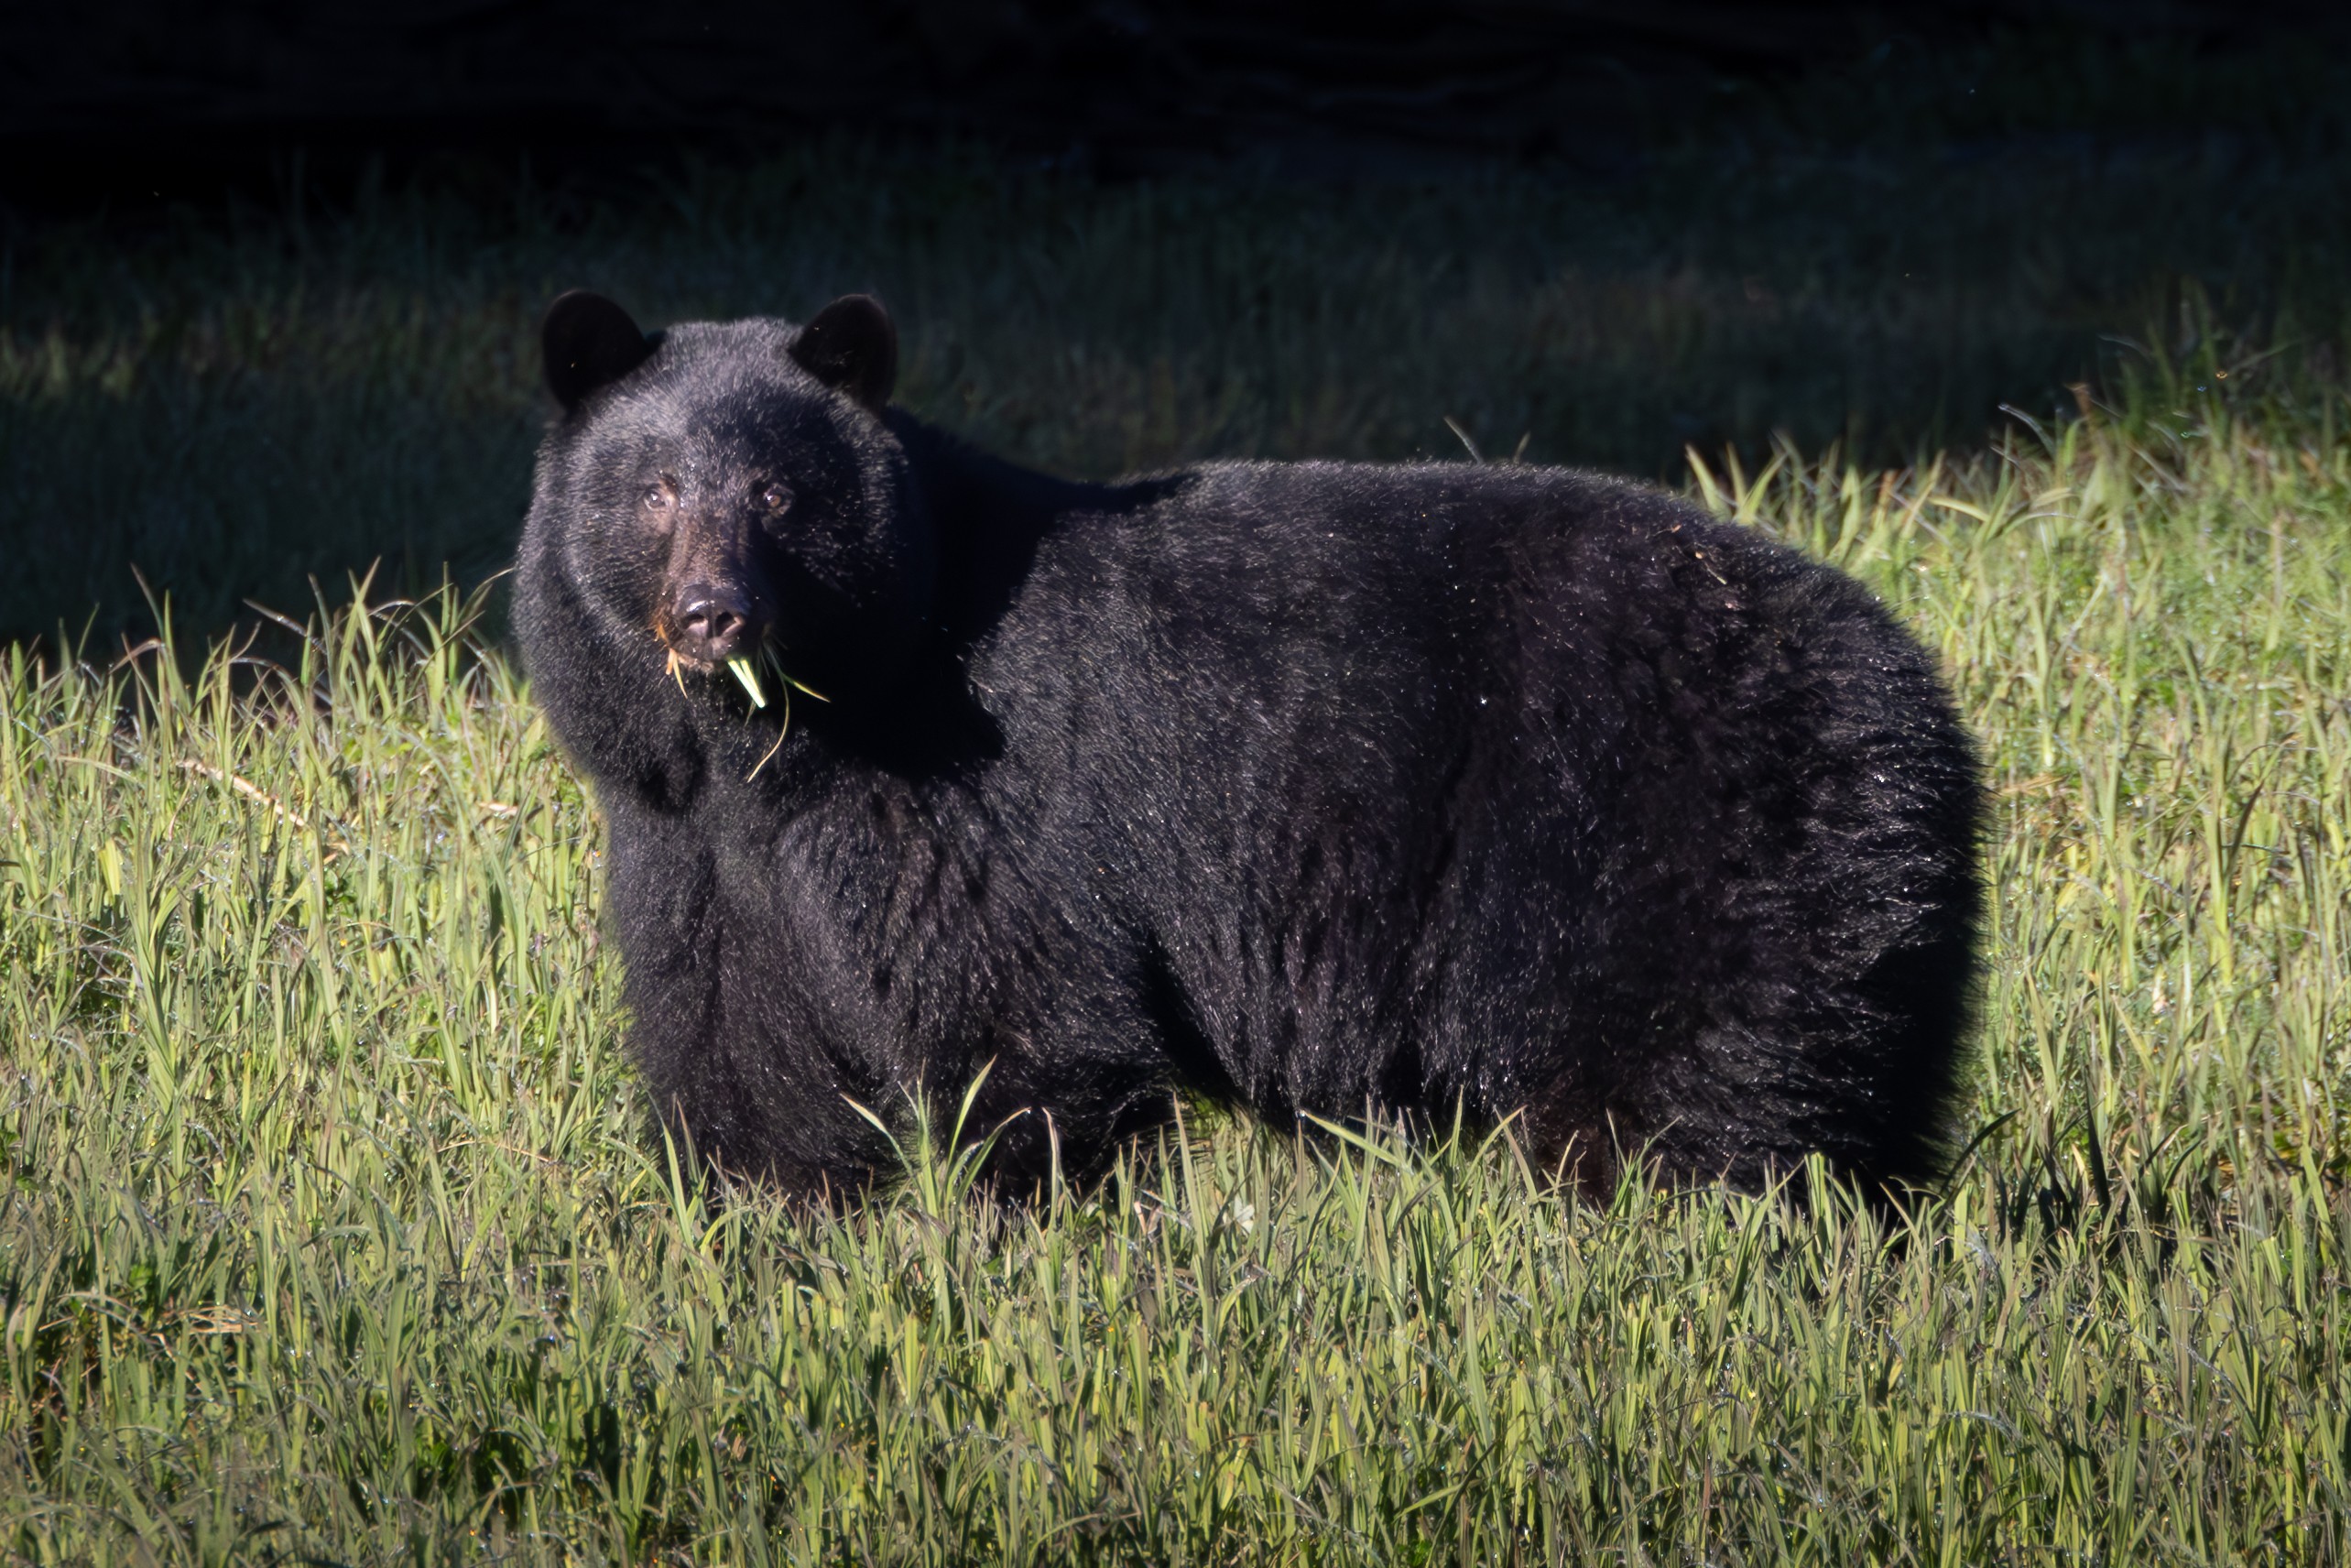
pixel 776 667
pixel 750 678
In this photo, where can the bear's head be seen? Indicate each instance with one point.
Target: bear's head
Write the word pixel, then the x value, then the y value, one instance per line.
pixel 732 489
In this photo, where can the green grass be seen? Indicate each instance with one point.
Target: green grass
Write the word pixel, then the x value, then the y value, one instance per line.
pixel 330 1231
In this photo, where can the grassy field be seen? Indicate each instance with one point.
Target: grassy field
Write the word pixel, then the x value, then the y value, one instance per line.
pixel 331 1231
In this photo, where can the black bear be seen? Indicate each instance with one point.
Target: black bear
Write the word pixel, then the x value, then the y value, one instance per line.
pixel 1312 787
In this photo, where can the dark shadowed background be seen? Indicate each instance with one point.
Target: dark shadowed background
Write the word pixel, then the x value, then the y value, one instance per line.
pixel 1121 87
pixel 269 272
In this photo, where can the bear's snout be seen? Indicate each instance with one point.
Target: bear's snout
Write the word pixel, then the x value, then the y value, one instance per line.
pixel 712 623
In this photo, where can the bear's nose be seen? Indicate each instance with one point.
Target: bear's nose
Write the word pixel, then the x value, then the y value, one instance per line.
pixel 712 624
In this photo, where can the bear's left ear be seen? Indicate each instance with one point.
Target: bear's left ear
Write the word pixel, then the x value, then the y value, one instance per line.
pixel 851 346
pixel 590 343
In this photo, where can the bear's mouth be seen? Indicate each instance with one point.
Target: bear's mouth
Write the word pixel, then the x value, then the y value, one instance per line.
pixel 761 676
pixel 746 668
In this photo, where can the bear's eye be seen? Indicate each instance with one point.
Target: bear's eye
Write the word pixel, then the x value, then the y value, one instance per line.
pixel 775 496
pixel 657 497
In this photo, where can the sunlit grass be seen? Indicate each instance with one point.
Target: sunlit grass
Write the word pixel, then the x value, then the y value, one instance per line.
pixel 331 1231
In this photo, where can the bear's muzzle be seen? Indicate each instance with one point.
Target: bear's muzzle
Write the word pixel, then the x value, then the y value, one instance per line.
pixel 707 624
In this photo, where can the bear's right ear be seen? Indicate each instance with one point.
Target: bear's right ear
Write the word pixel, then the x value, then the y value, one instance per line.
pixel 851 346
pixel 590 343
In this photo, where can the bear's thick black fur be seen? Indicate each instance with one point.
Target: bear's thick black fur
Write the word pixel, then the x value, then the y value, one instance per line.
pixel 1312 786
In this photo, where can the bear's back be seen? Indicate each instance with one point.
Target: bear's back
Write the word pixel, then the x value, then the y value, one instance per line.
pixel 1402 762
